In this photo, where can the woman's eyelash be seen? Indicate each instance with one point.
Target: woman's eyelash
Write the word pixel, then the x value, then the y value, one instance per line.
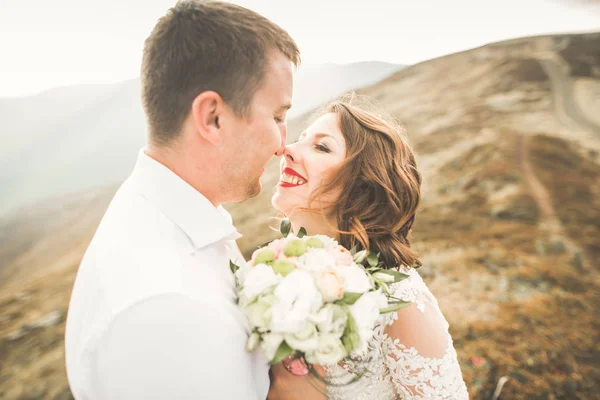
pixel 322 147
pixel 319 146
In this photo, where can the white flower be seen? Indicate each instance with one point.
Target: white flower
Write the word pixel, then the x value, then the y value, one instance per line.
pixel 259 312
pixel 366 312
pixel 304 340
pixel 330 284
pixel 355 278
pixel 386 278
pixel 316 260
pixel 331 319
pixel 270 343
pixel 327 241
pixel 242 272
pixel 298 297
pixel 257 280
pixel 253 341
pixel 360 256
pixel 330 350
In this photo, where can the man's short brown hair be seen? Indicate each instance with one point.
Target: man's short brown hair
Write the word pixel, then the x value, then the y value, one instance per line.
pixel 206 45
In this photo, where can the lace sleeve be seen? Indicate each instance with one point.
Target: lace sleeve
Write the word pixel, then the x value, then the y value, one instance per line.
pixel 418 349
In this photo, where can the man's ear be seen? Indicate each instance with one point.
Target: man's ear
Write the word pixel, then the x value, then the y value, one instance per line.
pixel 207 107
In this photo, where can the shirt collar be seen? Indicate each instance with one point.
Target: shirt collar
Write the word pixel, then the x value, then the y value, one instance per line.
pixel 193 213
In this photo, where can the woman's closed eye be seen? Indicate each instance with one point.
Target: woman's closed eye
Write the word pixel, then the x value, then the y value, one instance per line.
pixel 322 147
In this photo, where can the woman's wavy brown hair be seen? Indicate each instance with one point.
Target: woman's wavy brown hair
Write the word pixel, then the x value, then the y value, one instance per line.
pixel 380 183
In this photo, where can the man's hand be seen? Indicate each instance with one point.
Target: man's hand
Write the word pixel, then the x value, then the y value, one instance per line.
pixel 287 386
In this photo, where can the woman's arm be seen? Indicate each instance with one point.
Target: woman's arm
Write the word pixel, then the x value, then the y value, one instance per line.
pixel 421 358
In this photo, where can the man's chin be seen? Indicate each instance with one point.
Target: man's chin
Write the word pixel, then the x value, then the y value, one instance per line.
pixel 252 190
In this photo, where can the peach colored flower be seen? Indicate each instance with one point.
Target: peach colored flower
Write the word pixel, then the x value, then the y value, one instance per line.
pixel 342 256
pixel 331 285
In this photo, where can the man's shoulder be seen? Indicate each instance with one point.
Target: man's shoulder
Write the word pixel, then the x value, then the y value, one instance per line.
pixel 130 216
pixel 135 253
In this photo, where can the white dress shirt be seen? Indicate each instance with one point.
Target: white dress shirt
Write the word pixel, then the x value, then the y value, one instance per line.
pixel 153 312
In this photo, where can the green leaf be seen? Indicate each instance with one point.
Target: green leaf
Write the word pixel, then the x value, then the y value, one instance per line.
pixel 353 250
pixel 395 307
pixel 373 259
pixel 398 276
pixel 350 297
pixel 302 232
pixel 283 352
pixel 233 267
pixel 350 338
pixel 285 227
pixel 383 286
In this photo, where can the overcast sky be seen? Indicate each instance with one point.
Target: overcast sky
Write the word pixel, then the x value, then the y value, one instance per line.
pixel 49 43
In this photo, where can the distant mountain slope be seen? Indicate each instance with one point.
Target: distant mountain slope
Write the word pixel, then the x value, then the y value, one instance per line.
pixel 318 83
pixel 75 138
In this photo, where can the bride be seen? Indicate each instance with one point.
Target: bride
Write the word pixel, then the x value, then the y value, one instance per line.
pixel 353 176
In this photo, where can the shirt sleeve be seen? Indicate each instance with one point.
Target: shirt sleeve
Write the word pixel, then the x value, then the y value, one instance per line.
pixel 173 347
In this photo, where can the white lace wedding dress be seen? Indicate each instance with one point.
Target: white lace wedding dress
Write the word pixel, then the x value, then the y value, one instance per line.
pixel 411 355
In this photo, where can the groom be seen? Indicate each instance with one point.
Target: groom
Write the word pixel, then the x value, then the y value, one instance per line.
pixel 152 313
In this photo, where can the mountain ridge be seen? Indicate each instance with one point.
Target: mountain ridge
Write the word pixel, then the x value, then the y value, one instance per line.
pixel 507 229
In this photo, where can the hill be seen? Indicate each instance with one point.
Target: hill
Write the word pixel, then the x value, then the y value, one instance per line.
pixel 508 141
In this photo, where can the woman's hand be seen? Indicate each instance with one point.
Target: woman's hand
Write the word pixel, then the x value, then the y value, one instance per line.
pixel 287 386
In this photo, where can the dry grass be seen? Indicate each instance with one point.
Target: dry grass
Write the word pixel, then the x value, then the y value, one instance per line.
pixel 522 302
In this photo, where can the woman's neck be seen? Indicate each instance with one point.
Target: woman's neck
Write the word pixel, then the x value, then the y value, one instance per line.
pixel 315 224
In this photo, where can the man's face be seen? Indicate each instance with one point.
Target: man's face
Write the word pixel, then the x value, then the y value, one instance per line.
pixel 255 139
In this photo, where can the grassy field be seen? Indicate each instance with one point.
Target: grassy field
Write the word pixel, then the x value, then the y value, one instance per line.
pixel 508 229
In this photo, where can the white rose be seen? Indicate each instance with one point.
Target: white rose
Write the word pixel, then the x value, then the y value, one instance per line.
pixel 331 319
pixel 316 260
pixel 298 297
pixel 257 280
pixel 259 312
pixel 304 340
pixel 330 284
pixel 355 278
pixel 270 343
pixel 327 241
pixel 366 312
pixel 330 350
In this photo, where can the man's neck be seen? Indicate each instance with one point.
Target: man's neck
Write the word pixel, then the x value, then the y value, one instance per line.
pixel 183 165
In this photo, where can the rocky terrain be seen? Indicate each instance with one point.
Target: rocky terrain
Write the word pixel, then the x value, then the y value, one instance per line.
pixel 508 140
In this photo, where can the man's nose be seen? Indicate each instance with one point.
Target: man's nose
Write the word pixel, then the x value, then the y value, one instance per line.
pixel 281 149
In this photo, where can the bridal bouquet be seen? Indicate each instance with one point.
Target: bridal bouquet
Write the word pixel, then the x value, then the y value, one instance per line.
pixel 307 296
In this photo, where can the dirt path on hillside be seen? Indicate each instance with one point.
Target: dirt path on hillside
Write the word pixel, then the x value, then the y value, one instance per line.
pixel 569 112
pixel 565 104
pixel 549 219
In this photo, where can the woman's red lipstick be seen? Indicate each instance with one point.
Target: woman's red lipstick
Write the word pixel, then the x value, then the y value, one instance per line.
pixel 291 173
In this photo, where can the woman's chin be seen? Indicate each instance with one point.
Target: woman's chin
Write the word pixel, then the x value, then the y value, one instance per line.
pixel 276 201
pixel 280 202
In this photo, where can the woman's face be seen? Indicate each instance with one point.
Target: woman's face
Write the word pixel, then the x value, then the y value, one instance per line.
pixel 308 163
